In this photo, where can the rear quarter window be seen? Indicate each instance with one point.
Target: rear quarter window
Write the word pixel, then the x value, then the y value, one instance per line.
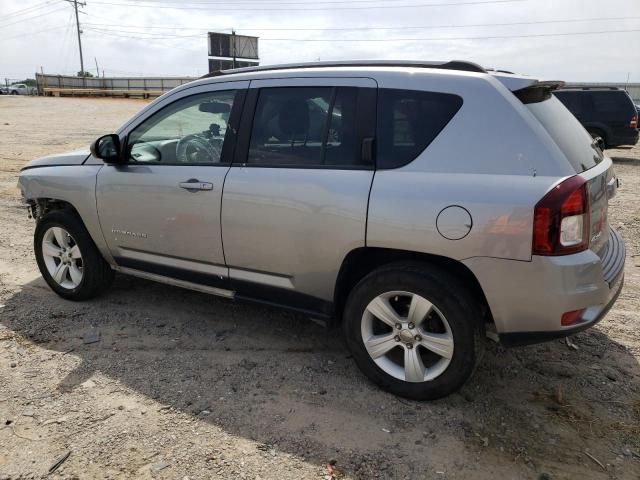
pixel 408 121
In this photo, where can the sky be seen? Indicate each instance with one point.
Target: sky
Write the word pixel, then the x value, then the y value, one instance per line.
pixel 571 40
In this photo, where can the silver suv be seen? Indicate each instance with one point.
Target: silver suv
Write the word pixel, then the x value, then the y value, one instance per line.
pixel 421 206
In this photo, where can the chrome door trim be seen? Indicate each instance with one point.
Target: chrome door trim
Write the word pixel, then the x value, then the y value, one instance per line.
pixel 221 292
pixel 262 278
pixel 172 261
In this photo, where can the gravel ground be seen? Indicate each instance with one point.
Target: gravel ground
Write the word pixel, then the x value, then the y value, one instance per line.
pixel 151 381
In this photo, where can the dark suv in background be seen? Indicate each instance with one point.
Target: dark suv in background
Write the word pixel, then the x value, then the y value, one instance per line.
pixel 605 112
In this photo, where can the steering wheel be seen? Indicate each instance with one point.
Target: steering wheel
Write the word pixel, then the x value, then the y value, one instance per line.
pixel 197 149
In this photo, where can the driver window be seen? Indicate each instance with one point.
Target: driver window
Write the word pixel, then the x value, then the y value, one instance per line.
pixel 188 131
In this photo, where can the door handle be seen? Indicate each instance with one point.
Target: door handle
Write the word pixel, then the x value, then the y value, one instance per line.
pixel 193 185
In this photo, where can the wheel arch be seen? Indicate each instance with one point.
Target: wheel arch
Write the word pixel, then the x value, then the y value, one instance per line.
pixel 361 261
pixel 39 207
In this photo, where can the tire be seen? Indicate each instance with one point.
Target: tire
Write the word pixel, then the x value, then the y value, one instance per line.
pixel 459 333
pixel 14 92
pixel 95 273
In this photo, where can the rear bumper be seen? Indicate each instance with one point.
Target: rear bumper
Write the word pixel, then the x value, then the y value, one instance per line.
pixel 527 299
pixel 516 339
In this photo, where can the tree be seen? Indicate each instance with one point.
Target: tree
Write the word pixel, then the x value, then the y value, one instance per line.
pixel 29 82
pixel 85 74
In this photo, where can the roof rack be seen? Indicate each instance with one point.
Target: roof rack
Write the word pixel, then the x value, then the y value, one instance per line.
pixel 589 87
pixel 450 65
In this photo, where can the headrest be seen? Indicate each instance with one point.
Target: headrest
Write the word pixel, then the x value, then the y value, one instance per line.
pixel 293 118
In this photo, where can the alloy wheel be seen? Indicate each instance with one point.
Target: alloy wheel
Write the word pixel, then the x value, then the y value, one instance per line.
pixel 407 336
pixel 62 257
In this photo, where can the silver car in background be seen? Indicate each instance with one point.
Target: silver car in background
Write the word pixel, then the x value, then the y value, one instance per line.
pixel 420 205
pixel 18 89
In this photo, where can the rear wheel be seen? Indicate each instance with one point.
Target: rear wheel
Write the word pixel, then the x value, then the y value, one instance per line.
pixel 413 330
pixel 67 257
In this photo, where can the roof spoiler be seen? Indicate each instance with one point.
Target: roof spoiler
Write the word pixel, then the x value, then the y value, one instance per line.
pixel 538 91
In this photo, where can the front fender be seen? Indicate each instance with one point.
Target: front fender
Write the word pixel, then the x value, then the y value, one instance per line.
pixel 73 184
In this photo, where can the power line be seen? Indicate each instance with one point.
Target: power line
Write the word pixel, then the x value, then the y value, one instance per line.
pixel 404 27
pixel 37 32
pixel 24 11
pixel 67 40
pixel 254 2
pixel 310 8
pixel 31 18
pixel 364 40
pixel 488 37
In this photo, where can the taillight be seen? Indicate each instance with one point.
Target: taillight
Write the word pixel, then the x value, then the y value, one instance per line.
pixel 634 121
pixel 561 219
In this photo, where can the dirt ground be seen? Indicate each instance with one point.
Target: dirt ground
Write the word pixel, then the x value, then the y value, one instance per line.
pixel 151 381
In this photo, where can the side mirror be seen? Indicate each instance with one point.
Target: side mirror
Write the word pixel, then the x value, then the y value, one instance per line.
pixel 107 148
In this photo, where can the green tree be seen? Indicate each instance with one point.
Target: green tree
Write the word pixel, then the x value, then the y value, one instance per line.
pixel 29 82
pixel 85 74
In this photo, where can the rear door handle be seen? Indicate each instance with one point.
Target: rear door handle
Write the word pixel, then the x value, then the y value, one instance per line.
pixel 193 184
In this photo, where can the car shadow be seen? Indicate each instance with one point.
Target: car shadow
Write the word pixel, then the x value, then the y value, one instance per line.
pixel 277 379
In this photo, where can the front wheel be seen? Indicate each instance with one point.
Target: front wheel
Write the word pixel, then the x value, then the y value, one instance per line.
pixel 413 330
pixel 67 257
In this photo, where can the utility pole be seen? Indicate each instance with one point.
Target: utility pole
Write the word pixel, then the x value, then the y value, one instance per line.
pixel 97 69
pixel 75 7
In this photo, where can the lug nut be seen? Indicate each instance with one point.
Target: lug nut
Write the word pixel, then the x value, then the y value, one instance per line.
pixel 418 338
pixel 409 346
pixel 411 325
pixel 396 338
pixel 398 326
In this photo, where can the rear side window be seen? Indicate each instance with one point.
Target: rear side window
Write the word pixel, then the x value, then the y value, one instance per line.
pixel 408 121
pixel 571 100
pixel 611 102
pixel 305 127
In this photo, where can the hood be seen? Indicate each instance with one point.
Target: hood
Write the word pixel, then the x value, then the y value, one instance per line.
pixel 77 157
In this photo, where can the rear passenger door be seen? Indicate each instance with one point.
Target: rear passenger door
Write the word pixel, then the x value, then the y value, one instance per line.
pixel 295 199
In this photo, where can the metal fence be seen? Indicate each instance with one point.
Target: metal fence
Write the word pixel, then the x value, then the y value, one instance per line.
pixel 124 86
pixel 153 86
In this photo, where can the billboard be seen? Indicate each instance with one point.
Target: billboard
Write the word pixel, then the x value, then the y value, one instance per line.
pixel 216 65
pixel 232 45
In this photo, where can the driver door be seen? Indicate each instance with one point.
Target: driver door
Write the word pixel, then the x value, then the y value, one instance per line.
pixel 160 212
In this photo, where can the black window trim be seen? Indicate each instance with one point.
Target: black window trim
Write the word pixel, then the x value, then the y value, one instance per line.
pixel 230 139
pixel 241 154
pixel 378 106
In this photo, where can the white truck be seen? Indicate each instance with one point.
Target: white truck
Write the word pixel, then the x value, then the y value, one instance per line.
pixel 17 89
